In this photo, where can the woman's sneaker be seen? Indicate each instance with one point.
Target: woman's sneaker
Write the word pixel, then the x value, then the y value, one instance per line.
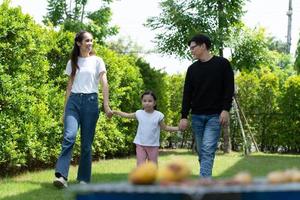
pixel 60 183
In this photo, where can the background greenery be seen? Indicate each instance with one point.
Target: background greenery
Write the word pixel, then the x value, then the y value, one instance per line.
pixel 32 85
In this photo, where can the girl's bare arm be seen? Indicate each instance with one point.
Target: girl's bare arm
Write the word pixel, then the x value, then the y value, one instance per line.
pixel 124 114
pixel 165 127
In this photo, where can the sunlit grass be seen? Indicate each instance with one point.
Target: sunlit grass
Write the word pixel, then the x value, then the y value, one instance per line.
pixel 38 185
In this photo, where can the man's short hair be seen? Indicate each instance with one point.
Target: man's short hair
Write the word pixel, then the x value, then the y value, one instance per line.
pixel 201 39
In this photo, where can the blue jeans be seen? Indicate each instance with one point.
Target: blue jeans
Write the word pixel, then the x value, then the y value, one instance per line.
pixel 206 129
pixel 81 111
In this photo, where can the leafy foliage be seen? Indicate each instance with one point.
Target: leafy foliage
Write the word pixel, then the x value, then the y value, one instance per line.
pixel 179 20
pixel 277 45
pixel 270 108
pixel 290 108
pixel 250 49
pixel 72 16
pixel 27 126
pixel 174 93
pixel 297 61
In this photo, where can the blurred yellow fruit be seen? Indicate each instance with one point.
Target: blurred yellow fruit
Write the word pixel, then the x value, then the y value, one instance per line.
pixel 293 175
pixel 144 174
pixel 175 171
pixel 243 178
pixel 276 177
pixel 296 176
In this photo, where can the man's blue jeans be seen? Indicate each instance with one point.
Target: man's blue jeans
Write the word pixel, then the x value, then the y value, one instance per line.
pixel 206 129
pixel 81 111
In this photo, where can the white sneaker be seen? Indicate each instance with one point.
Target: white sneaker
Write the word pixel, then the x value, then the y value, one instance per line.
pixel 83 183
pixel 60 183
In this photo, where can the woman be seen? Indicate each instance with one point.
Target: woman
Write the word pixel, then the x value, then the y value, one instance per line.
pixel 85 71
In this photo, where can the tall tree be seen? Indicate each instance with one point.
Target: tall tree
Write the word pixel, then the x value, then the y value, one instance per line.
pixel 60 10
pixel 275 44
pixel 297 61
pixel 252 49
pixel 56 12
pixel 125 45
pixel 73 16
pixel 249 49
pixel 180 19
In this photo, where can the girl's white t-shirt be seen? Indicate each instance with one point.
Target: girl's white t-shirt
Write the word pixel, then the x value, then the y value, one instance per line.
pixel 86 79
pixel 148 131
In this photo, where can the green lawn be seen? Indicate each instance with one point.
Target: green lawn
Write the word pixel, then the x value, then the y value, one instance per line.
pixel 38 185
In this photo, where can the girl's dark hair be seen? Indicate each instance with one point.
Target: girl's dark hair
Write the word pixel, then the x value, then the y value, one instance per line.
pixel 76 51
pixel 152 94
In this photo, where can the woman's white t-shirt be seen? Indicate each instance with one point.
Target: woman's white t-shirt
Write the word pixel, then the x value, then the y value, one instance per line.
pixel 86 79
pixel 148 131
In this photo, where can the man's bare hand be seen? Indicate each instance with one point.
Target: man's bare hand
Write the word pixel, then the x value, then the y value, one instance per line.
pixel 224 118
pixel 183 124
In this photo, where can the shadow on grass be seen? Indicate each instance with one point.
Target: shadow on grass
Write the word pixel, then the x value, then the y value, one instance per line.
pixel 168 152
pixel 261 165
pixel 109 177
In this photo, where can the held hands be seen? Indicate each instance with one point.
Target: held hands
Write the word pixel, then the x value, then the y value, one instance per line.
pixel 114 112
pixel 183 124
pixel 108 111
pixel 224 121
pixel 224 118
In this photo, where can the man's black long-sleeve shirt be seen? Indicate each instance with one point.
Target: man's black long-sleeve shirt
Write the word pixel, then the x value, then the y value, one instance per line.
pixel 208 87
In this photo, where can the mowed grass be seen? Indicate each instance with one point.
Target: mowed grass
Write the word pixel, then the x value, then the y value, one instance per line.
pixel 38 185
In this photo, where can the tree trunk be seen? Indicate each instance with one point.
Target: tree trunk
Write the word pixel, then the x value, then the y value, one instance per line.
pixel 227 141
pixel 182 140
pixel 193 145
pixel 220 27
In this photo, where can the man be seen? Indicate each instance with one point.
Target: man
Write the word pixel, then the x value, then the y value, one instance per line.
pixel 208 93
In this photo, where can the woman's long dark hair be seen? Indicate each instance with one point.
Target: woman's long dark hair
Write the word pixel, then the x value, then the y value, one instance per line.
pixel 152 94
pixel 76 52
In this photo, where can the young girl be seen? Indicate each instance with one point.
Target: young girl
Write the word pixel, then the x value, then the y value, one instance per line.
pixel 150 121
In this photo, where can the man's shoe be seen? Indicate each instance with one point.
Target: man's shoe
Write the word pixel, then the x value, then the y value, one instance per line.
pixel 60 183
pixel 83 183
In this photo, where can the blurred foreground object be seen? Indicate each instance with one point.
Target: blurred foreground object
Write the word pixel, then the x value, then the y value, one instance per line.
pixel 174 171
pixel 243 178
pixel 144 174
pixel 287 176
